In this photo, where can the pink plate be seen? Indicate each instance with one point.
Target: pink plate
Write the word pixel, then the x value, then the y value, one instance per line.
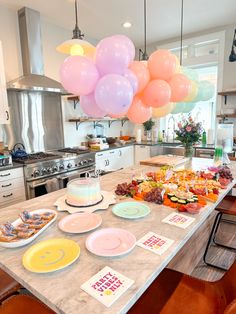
pixel 110 242
pixel 80 222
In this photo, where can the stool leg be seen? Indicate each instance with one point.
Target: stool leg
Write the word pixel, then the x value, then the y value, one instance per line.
pixel 223 245
pixel 212 235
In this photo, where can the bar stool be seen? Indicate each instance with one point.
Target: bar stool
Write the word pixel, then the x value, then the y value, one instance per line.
pixel 226 206
pixel 8 286
pixel 24 304
pixel 174 292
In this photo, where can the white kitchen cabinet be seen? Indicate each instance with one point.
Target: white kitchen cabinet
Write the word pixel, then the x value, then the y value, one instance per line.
pixel 126 157
pixel 4 109
pixel 12 187
pixel 141 152
pixel 115 159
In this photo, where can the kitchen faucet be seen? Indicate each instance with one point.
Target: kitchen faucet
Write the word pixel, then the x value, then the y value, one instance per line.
pixel 168 128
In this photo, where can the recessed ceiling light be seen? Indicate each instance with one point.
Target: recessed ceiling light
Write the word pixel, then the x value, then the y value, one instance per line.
pixel 126 24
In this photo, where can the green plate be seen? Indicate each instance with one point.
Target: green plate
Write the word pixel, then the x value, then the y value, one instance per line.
pixel 131 210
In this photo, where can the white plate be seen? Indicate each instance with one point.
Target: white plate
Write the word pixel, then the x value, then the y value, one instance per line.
pixel 18 221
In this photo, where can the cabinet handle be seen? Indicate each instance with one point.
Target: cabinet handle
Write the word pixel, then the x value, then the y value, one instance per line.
pixel 120 152
pixel 99 155
pixel 8 195
pixel 7 113
pixel 108 162
pixel 6 185
pixel 5 175
pixel 112 152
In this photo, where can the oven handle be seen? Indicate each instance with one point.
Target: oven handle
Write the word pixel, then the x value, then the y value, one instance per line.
pixel 34 185
pixel 72 173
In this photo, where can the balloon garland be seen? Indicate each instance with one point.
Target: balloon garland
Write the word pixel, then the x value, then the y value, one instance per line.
pixel 112 83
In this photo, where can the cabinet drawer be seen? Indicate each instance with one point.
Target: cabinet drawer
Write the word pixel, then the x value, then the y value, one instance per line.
pixel 11 174
pixel 6 185
pixel 11 195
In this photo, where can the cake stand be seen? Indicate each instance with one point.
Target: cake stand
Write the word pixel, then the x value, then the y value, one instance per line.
pixel 108 199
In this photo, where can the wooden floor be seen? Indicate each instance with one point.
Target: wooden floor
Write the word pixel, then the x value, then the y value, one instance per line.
pixel 223 257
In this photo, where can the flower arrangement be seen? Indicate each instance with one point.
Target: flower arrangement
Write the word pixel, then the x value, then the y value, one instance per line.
pixel 148 125
pixel 189 132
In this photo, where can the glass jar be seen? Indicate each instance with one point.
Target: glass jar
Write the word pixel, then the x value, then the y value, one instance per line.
pixel 188 151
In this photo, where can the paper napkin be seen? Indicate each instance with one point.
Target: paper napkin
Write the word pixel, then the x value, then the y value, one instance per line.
pixel 155 243
pixel 107 286
pixel 178 220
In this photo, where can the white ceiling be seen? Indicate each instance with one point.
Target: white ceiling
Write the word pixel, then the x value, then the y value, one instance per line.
pixel 101 18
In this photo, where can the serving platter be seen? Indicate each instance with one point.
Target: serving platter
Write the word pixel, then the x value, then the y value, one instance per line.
pixel 22 242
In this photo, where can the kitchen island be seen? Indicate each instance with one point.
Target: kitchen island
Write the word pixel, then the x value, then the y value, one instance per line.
pixel 61 290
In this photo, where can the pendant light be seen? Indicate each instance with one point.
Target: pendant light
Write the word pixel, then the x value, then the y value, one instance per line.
pixel 77 45
pixel 143 56
pixel 232 57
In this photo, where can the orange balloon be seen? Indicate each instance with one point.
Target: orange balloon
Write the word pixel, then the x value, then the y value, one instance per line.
pixel 163 111
pixel 117 116
pixel 162 64
pixel 180 87
pixel 157 93
pixel 137 112
pixel 142 74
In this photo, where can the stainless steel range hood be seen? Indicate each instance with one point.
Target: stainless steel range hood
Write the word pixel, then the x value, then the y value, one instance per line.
pixel 33 78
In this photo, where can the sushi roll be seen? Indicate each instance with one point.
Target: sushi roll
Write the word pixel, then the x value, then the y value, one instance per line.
pixel 22 227
pixel 7 237
pixel 25 234
pixel 48 216
pixel 7 228
pixel 38 224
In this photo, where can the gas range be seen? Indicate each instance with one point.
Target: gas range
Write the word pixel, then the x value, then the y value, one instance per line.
pixel 54 163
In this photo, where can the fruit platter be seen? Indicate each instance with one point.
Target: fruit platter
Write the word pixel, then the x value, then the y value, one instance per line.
pixel 184 190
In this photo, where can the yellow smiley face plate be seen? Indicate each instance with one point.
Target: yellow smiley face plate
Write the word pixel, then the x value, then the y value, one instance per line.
pixel 51 255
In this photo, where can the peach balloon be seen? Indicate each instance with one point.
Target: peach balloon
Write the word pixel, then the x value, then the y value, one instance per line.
pixel 163 111
pixel 193 92
pixel 157 93
pixel 142 74
pixel 180 87
pixel 162 64
pixel 137 112
pixel 117 116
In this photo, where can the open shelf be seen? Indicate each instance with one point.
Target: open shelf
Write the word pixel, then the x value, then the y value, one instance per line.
pixel 227 93
pixel 75 99
pixel 233 115
pixel 78 121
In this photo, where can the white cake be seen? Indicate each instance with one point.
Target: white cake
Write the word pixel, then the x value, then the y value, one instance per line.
pixel 83 192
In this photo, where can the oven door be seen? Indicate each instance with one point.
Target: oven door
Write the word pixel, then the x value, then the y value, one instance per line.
pixel 80 173
pixel 41 186
pixel 205 153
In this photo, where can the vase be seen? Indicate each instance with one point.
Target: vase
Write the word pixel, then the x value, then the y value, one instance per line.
pixel 148 134
pixel 188 151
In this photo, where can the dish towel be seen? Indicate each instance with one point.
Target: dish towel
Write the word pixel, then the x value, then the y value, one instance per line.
pixel 52 185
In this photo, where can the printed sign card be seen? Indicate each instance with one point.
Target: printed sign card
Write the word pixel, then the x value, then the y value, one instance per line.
pixel 178 220
pixel 155 243
pixel 107 286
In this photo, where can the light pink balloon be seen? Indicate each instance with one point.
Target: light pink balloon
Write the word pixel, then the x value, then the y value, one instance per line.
pixel 137 112
pixel 131 77
pixel 156 94
pixel 180 87
pixel 129 44
pixel 89 106
pixel 162 65
pixel 114 94
pixel 112 56
pixel 142 74
pixel 78 75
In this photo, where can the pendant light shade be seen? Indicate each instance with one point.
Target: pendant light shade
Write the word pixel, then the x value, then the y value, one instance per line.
pixel 77 45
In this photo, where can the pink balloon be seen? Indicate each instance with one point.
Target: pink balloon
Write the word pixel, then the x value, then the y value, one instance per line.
pixel 89 106
pixel 162 64
pixel 117 116
pixel 112 56
pixel 142 74
pixel 132 79
pixel 157 93
pixel 78 75
pixel 129 44
pixel 180 87
pixel 137 112
pixel 113 94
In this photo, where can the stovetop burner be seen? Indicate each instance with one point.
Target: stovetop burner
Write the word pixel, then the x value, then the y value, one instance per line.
pixel 74 150
pixel 31 158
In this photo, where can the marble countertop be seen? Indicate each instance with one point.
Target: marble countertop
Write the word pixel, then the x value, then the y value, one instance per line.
pixel 61 290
